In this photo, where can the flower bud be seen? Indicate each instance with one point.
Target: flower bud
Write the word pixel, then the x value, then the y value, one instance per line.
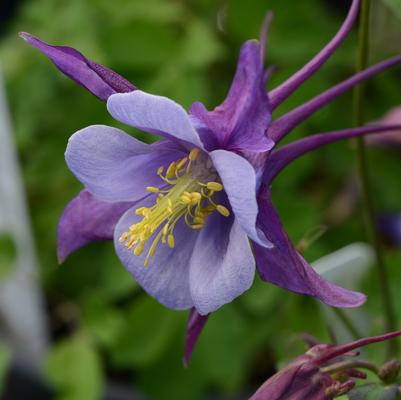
pixel 389 371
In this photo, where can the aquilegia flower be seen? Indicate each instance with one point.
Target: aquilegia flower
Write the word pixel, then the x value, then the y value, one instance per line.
pixel 182 210
pixel 324 372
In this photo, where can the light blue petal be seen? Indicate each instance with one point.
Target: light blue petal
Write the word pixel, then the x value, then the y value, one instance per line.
pixel 239 180
pixel 167 276
pixel 114 166
pixel 222 264
pixel 155 114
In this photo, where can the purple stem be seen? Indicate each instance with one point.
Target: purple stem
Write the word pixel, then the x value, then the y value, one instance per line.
pixel 279 128
pixel 286 154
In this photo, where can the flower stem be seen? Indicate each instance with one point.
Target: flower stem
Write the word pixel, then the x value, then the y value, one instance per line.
pixel 359 119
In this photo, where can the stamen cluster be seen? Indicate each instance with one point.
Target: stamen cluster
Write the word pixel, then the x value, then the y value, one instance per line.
pixel 183 195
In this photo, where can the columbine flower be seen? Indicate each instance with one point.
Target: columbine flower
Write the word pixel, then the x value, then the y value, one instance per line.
pixel 181 210
pixel 324 372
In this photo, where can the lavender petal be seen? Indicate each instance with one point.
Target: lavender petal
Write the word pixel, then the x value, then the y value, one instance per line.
pixel 222 266
pixel 167 276
pixel 154 114
pixel 240 183
pixel 114 166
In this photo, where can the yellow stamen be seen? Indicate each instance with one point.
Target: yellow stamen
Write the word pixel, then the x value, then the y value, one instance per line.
pixel 194 154
pixel 171 170
pixel 171 241
pixel 223 210
pixel 215 186
pixel 186 197
pixel 181 163
pixel 152 189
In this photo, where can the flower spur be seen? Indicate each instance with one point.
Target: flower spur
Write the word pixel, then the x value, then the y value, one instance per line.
pixel 207 261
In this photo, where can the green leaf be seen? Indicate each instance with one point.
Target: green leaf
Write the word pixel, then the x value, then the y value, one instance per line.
pixel 146 333
pixel 73 369
pixel 375 391
pixel 103 321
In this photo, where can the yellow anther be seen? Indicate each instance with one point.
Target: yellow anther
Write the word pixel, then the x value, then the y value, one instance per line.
pixel 139 211
pixel 160 170
pixel 181 163
pixel 139 249
pixel 197 226
pixel 171 241
pixel 171 170
pixel 185 199
pixel 123 237
pixel 152 189
pixel 196 196
pixel 194 154
pixel 215 186
pixel 165 229
pixel 223 210
pixel 199 220
pixel 209 209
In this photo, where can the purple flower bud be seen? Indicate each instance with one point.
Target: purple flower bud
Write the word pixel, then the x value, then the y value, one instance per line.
pixel 315 375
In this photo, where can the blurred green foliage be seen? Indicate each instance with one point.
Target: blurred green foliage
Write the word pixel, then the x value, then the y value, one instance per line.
pixel 186 50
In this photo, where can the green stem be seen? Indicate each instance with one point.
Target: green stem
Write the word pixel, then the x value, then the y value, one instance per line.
pixel 359 119
pixel 348 324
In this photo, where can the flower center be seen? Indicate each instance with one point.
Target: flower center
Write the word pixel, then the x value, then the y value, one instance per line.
pixel 188 190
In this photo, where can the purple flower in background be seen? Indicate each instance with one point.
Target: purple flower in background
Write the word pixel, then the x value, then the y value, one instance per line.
pixel 181 210
pixel 322 373
pixel 388 140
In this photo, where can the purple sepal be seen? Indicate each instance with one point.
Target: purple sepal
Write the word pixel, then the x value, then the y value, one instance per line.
pixel 195 325
pixel 283 266
pixel 84 220
pixel 294 382
pixel 99 80
pixel 240 122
